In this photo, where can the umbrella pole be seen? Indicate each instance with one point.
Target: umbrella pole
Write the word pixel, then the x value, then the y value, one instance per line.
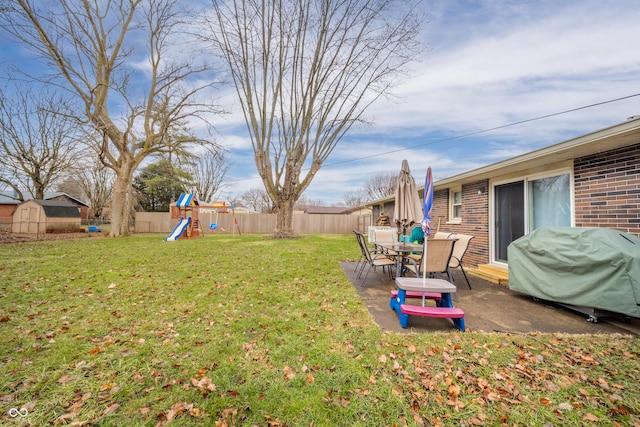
pixel 424 267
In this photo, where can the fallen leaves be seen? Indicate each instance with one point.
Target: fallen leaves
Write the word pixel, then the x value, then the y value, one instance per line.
pixel 65 379
pixel 164 350
pixel 179 409
pixel 289 373
pixel 469 379
pixel 203 383
pixel 111 409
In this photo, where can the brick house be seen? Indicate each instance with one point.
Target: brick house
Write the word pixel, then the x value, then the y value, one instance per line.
pixel 8 204
pixel 589 181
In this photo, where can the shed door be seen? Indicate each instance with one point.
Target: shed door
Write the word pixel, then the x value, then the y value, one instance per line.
pixel 29 220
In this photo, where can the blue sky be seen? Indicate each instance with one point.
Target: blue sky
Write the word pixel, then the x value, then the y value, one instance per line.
pixel 488 63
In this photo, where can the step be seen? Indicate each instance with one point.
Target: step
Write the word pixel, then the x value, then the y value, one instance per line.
pixel 491 273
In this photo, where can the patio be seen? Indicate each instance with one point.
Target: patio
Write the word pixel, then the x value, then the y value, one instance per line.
pixel 488 308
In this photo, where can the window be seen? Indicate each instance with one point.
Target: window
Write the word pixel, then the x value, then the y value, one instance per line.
pixel 455 205
pixel 549 202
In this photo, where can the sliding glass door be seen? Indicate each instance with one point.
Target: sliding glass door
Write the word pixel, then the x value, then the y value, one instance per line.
pixel 550 202
pixel 524 205
pixel 509 216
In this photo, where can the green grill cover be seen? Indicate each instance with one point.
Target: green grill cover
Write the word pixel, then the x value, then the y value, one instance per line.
pixel 589 267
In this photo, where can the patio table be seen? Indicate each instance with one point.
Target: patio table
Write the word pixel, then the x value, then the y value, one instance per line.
pixel 401 249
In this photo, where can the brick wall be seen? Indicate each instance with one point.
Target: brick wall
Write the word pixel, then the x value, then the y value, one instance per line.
pixel 475 219
pixel 607 190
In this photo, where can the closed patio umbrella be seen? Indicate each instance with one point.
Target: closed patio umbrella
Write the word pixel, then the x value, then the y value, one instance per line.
pixel 426 221
pixel 408 209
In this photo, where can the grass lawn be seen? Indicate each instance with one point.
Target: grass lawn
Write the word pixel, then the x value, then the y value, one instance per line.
pixel 247 330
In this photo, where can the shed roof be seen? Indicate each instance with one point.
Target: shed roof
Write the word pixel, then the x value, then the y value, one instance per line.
pixel 58 208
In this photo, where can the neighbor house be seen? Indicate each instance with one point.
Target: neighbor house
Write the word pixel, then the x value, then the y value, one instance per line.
pixel 8 204
pixel 60 196
pixel 589 181
pixel 337 210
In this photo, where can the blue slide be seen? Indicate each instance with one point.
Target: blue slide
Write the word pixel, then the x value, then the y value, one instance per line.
pixel 179 228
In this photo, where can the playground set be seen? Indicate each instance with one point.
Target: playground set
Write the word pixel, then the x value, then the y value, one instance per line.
pixel 186 210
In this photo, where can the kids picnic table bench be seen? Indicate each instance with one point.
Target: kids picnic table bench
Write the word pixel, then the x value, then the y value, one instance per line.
pixel 437 289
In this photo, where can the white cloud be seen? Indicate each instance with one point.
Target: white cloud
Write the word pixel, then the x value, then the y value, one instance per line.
pixel 522 68
pixel 491 63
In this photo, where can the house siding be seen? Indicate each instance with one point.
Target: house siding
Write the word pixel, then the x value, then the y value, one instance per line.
pixel 607 190
pixel 475 219
pixel 6 212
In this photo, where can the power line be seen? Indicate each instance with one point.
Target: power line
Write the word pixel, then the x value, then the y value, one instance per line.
pixel 466 135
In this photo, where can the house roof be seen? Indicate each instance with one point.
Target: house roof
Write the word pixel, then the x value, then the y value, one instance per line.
pixel 58 208
pixel 327 210
pixel 49 196
pixel 616 136
pixel 10 198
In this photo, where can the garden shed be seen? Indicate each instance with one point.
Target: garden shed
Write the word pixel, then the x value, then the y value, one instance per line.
pixel 46 216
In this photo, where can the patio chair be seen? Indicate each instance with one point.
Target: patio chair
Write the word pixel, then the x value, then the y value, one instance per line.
pixel 385 236
pixel 358 234
pixel 372 260
pixel 443 235
pixel 459 249
pixel 439 253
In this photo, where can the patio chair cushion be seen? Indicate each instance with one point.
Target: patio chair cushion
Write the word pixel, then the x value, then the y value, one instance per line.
pixel 417 235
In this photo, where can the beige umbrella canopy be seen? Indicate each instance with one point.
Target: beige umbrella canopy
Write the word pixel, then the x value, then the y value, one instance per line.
pixel 408 207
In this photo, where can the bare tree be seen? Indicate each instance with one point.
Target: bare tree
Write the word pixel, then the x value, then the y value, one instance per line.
pixel 381 185
pixel 97 182
pixel 209 171
pixel 257 199
pixel 303 203
pixel 305 71
pixel 72 187
pixel 91 182
pixel 39 141
pixel 117 59
pixel 355 198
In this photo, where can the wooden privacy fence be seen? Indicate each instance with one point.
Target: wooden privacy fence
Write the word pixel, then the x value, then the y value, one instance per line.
pixel 161 222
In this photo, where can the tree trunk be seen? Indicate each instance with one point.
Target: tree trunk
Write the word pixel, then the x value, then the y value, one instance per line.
pixel 121 201
pixel 284 222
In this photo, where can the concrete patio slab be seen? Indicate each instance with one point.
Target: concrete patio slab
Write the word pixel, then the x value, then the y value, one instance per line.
pixel 488 308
